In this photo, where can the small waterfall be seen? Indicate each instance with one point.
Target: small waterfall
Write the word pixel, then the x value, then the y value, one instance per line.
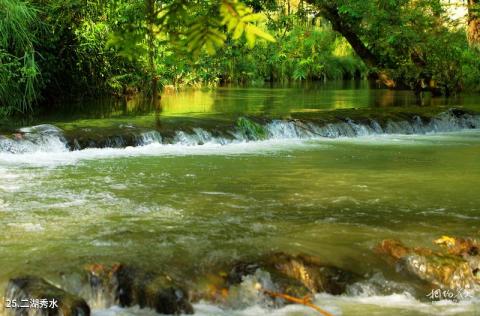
pixel 40 138
pixel 278 129
pixel 147 138
pixel 115 142
pixel 48 138
pixel 449 121
pixel 198 137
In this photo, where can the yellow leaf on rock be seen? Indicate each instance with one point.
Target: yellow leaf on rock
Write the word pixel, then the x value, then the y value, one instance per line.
pixel 445 241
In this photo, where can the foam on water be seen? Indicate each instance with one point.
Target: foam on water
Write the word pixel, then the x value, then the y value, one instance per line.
pixel 245 300
pixel 45 158
pixel 45 145
pixel 49 158
pixel 394 304
pixel 40 138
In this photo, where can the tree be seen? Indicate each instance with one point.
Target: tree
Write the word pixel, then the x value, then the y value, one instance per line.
pixel 474 23
pixel 399 41
pixel 188 27
pixel 151 11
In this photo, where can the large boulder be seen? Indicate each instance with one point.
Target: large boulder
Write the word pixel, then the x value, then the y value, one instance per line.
pixel 130 286
pixel 455 266
pixel 294 275
pixel 311 271
pixel 33 296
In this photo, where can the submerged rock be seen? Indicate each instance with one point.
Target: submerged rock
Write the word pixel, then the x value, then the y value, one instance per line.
pixel 129 286
pixel 456 268
pixel 35 296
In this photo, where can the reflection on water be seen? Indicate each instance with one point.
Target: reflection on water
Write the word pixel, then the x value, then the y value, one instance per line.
pixel 227 101
pixel 268 100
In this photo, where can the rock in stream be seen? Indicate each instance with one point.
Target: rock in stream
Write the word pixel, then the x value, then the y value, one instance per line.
pixel 294 275
pixel 34 296
pixel 455 266
pixel 130 286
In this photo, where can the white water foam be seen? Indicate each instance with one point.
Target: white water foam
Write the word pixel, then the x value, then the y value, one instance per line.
pixel 395 304
pixel 265 147
pixel 245 300
pixel 44 145
pixel 47 158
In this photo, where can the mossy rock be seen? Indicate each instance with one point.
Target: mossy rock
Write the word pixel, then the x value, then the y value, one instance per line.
pixel 294 275
pixel 311 272
pixel 130 286
pixel 251 130
pixel 453 269
pixel 34 288
pixel 284 283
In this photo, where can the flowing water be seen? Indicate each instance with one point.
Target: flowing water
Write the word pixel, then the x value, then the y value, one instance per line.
pixel 196 201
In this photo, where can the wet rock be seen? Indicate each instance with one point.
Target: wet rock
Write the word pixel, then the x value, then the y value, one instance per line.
pixel 459 246
pixel 393 248
pixel 45 129
pixel 311 272
pixel 42 298
pixel 212 287
pixel 468 249
pixel 454 267
pixel 130 286
pixel 281 282
pixel 294 275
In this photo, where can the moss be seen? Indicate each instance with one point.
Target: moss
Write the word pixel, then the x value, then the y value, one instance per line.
pixel 250 129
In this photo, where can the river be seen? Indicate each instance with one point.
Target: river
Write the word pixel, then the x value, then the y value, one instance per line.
pixel 184 206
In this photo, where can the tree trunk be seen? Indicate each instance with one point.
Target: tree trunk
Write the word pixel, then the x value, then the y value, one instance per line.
pixel 152 51
pixel 338 24
pixel 330 12
pixel 473 30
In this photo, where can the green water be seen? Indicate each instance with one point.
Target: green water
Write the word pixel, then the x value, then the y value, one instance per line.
pixel 226 102
pixel 184 209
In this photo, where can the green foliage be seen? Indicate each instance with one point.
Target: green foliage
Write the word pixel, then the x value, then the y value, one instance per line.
pixel 470 61
pixel 205 34
pixel 304 52
pixel 240 20
pixel 415 42
pixel 121 47
pixel 19 73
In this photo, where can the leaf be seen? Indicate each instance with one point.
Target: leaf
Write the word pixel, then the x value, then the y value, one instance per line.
pixel 210 48
pixel 256 17
pixel 262 34
pixel 445 241
pixel 238 31
pixel 250 36
pixel 239 19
